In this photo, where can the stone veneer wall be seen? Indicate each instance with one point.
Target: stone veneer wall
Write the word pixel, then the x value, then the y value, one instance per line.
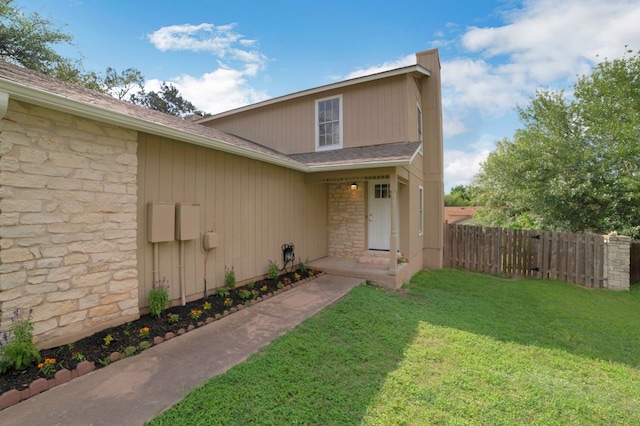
pixel 617 254
pixel 67 223
pixel 346 220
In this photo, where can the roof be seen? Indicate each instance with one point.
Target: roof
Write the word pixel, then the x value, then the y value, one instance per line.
pixel 411 69
pixel 30 86
pixel 358 157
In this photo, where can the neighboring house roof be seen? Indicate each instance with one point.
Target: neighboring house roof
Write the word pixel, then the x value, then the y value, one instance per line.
pixel 23 84
pixel 411 69
pixel 459 214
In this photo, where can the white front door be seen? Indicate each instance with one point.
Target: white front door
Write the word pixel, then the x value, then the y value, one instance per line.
pixel 379 214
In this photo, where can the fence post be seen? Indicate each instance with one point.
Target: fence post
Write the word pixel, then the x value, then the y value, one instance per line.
pixel 617 252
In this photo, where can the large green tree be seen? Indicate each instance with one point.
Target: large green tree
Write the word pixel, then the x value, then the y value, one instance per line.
pixel 458 196
pixel 575 164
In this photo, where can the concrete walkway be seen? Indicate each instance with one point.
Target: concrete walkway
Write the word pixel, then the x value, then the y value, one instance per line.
pixel 134 390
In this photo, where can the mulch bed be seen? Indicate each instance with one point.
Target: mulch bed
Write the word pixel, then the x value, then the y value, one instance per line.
pixel 126 340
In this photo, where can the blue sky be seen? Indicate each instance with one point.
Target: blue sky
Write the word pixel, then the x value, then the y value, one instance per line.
pixel 225 54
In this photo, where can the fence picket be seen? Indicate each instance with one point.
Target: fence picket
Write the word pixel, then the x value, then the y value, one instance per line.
pixel 575 258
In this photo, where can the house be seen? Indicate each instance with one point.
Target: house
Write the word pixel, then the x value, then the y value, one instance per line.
pixel 100 198
pixel 459 215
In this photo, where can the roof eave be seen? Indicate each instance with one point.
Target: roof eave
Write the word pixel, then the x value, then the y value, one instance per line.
pixel 359 165
pixel 27 94
pixel 419 69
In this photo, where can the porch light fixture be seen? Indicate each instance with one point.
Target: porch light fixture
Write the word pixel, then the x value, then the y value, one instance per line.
pixel 354 186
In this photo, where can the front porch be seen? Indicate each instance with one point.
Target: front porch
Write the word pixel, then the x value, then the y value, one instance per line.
pixel 373 272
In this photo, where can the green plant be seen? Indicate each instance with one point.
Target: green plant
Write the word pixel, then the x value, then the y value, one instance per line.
pixel 250 285
pixel 107 339
pixel 144 346
pixel 104 361
pixel 273 271
pixel 230 277
pixel 173 318
pixel 244 294
pixel 130 350
pixel 264 288
pixel 78 356
pixel 48 366
pixel 227 302
pixel 17 350
pixel 280 285
pixel 222 292
pixel 296 276
pixel 206 306
pixel 144 333
pixel 196 314
pixel 302 266
pixel 158 298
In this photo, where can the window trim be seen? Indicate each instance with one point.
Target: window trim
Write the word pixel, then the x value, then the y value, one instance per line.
pixel 420 210
pixel 340 121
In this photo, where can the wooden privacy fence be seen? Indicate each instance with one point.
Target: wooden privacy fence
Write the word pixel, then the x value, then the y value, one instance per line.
pixel 574 258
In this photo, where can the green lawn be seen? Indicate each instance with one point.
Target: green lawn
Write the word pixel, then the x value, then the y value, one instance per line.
pixel 454 348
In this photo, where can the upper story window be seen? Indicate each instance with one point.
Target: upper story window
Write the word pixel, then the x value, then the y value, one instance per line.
pixel 329 123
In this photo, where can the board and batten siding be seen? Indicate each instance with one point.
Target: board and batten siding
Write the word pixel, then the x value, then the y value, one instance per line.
pixel 374 113
pixel 254 207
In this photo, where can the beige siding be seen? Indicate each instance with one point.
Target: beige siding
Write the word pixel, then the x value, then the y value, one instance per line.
pixel 373 113
pixel 254 208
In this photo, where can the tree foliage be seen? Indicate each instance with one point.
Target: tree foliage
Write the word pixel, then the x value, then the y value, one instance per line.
pixel 459 196
pixel 575 164
pixel 29 40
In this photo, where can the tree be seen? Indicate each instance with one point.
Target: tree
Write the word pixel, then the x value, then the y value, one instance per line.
pixel 29 40
pixel 459 196
pixel 167 100
pixel 575 165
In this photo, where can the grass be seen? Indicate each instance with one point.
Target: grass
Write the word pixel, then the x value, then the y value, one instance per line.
pixel 454 348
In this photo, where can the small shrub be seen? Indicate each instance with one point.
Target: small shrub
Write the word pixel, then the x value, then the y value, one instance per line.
pixel 230 277
pixel 144 346
pixel 273 271
pixel 222 292
pixel 17 350
pixel 196 314
pixel 158 298
pixel 250 285
pixel 244 294
pixel 206 306
pixel 227 302
pixel 302 265
pixel 104 361
pixel 130 350
pixel 173 318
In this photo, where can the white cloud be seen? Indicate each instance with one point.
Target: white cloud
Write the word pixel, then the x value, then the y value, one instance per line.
pixel 216 91
pixel 226 87
pixel 460 167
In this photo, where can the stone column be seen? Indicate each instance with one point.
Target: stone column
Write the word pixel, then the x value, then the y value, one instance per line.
pixel 617 253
